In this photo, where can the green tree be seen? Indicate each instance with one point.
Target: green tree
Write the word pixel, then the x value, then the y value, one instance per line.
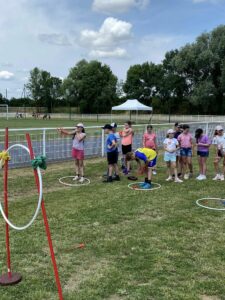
pixel 91 86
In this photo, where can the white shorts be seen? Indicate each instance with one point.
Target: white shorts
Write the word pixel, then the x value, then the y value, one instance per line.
pixel 170 157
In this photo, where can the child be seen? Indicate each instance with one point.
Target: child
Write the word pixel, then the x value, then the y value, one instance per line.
pixel 203 143
pixel 185 141
pixel 178 131
pixel 219 142
pixel 127 139
pixel 112 154
pixel 149 157
pixel 170 146
pixel 77 150
pixel 149 141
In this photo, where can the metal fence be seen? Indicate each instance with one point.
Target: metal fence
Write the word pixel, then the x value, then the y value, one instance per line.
pixel 47 141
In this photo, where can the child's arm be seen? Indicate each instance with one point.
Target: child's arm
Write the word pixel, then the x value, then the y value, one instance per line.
pixel 129 131
pixel 80 136
pixel 113 144
pixel 66 132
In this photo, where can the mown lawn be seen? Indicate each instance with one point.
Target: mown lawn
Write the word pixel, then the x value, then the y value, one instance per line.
pixel 138 245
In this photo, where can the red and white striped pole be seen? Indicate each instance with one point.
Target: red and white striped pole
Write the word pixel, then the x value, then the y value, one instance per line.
pixel 9 278
pixel 47 229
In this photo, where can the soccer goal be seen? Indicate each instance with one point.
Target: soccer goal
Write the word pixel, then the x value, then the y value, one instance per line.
pixel 4 111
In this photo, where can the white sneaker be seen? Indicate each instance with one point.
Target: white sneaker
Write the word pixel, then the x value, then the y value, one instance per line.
pixel 186 176
pixel 203 177
pixel 81 180
pixel 154 172
pixel 76 177
pixel 178 180
pixel 222 177
pixel 199 177
pixel 169 178
pixel 217 177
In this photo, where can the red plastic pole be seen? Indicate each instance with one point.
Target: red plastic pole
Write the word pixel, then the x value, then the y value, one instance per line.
pixel 47 229
pixel 6 205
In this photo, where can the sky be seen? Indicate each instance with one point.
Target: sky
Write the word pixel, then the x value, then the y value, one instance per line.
pixel 55 34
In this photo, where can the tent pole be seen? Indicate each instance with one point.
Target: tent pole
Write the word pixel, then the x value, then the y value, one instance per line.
pixel 130 115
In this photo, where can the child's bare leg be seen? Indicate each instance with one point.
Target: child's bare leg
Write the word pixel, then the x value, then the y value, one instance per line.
pixel 76 162
pixel 81 166
pixel 149 173
pixel 116 168
pixel 110 170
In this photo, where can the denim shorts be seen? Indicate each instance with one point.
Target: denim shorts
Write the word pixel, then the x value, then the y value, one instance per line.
pixel 203 153
pixel 170 157
pixel 186 152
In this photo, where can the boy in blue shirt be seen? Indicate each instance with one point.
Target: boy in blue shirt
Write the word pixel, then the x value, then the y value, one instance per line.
pixel 112 153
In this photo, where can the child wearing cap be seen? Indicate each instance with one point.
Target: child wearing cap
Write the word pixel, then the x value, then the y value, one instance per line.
pixel 171 146
pixel 149 141
pixel 112 154
pixel 149 157
pixel 219 142
pixel 203 143
pixel 79 136
pixel 186 144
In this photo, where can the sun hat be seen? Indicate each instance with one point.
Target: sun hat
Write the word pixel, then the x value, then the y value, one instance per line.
pixel 80 125
pixel 170 131
pixel 219 127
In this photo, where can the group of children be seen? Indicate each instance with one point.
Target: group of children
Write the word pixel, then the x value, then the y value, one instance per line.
pixel 178 145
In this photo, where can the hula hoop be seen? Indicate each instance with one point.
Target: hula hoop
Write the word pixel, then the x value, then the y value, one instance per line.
pixel 208 207
pixel 86 181
pixel 158 186
pixel 39 200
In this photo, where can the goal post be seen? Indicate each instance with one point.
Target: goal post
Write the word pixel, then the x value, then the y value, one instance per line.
pixel 6 112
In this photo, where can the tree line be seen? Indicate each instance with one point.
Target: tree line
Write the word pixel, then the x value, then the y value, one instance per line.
pixel 188 80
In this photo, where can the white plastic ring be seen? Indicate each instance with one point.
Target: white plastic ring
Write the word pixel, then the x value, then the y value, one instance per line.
pixel 208 207
pixel 39 200
pixel 86 181
pixel 158 186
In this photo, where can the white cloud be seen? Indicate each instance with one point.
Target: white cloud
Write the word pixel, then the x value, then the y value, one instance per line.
pixel 5 75
pixel 118 52
pixel 54 39
pixel 105 41
pixel 118 6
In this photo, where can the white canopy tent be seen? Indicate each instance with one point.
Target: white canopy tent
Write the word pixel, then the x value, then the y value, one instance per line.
pixel 132 105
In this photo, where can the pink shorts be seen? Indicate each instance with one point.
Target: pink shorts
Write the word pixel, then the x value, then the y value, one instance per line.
pixel 77 154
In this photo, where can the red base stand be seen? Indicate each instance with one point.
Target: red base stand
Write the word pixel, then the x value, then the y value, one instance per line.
pixel 15 278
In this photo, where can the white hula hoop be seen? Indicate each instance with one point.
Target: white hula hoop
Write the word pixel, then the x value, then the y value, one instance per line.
pixel 39 200
pixel 207 207
pixel 86 181
pixel 158 186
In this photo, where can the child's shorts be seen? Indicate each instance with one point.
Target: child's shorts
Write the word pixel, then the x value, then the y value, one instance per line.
pixel 170 157
pixel 203 153
pixel 77 154
pixel 186 152
pixel 152 163
pixel 126 149
pixel 112 157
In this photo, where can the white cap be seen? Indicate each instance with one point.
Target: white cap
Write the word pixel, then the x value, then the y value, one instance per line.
pixel 80 125
pixel 170 131
pixel 219 127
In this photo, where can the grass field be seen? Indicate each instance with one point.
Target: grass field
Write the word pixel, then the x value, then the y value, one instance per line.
pixel 138 245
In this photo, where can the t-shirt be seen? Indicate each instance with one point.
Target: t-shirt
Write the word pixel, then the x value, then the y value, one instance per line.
pixel 149 140
pixel 203 140
pixel 219 141
pixel 145 154
pixel 171 144
pixel 110 138
pixel 185 140
pixel 79 145
pixel 127 140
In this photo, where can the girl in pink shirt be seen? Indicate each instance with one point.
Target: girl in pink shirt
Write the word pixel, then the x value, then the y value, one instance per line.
pixel 149 141
pixel 185 141
pixel 126 141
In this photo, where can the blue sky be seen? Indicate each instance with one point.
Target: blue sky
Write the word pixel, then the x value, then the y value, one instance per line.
pixel 55 34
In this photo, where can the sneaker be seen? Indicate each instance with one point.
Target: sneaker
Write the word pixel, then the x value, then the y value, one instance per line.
pixel 199 176
pixel 217 177
pixel 222 177
pixel 178 180
pixel 203 177
pixel 124 170
pixel 179 174
pixel 154 172
pixel 123 167
pixel 186 176
pixel 146 186
pixel 169 178
pixel 81 180
pixel 76 177
pixel 109 179
pixel 116 178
